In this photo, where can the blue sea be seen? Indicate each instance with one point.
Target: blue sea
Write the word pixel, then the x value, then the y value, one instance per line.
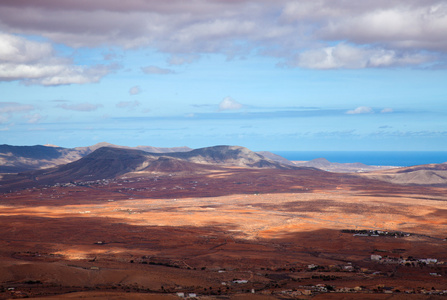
pixel 373 158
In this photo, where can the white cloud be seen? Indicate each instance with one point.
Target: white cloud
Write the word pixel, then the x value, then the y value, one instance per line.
pixel 3 119
pixel 156 70
pixel 15 49
pixel 13 107
pixel 34 118
pixel 80 107
pixel 229 103
pixel 9 109
pixel 394 32
pixel 417 24
pixel 361 110
pixel 350 57
pixel 128 104
pixel 135 90
pixel 387 110
pixel 36 63
pixel 182 59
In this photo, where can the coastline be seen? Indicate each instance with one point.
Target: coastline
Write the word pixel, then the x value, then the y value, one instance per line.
pixel 371 158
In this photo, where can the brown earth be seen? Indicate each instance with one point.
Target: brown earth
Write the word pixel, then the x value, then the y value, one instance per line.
pixel 151 236
pixel 431 174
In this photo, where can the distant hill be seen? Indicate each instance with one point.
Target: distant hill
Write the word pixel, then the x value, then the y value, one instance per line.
pixel 325 165
pixel 111 162
pixel 275 157
pixel 14 159
pixel 230 156
pixel 163 150
pixel 165 164
pixel 431 174
pixel 89 149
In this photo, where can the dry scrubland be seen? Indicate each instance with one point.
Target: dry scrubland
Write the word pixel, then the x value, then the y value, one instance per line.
pixel 229 232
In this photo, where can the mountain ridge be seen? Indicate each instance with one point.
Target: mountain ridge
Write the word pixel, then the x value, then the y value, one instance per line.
pixel 14 159
pixel 51 164
pixel 112 162
pixel 428 174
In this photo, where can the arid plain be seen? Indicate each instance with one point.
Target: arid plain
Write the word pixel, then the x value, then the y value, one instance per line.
pixel 225 233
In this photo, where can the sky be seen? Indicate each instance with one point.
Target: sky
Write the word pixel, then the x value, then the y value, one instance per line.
pixel 304 75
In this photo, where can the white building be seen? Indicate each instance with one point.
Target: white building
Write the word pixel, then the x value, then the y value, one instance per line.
pixel 376 257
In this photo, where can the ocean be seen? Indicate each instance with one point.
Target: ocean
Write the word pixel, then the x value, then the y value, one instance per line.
pixel 373 158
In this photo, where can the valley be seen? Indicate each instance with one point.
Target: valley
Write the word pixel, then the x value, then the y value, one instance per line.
pixel 226 232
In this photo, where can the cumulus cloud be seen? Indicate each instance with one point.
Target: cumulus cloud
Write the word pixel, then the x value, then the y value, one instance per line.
pixel 34 62
pixel 156 70
pixel 135 90
pixel 349 57
pixel 415 23
pixel 128 104
pixel 80 107
pixel 402 32
pixel 229 103
pixel 361 110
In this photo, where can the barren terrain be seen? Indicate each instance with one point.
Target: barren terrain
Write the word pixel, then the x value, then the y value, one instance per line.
pixel 232 233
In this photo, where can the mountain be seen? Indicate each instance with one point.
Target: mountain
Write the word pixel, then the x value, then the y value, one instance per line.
pixel 165 164
pixel 105 162
pixel 14 159
pixel 229 156
pixel 431 174
pixel 111 162
pixel 320 163
pixel 163 150
pixel 86 150
pixel 102 163
pixel 325 165
pixel 275 157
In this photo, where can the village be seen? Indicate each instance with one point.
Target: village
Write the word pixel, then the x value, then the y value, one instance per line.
pixel 376 233
pixel 300 280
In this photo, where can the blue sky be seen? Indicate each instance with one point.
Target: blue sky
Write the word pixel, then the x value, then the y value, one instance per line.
pixel 288 75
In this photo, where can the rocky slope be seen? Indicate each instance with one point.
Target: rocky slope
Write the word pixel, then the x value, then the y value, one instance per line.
pixel 431 174
pixel 15 159
pixel 111 162
pixel 230 156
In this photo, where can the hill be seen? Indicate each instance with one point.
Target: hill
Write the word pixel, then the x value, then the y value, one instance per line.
pixel 325 165
pixel 111 162
pixel 431 174
pixel 14 159
pixel 165 164
pixel 229 156
pixel 276 157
